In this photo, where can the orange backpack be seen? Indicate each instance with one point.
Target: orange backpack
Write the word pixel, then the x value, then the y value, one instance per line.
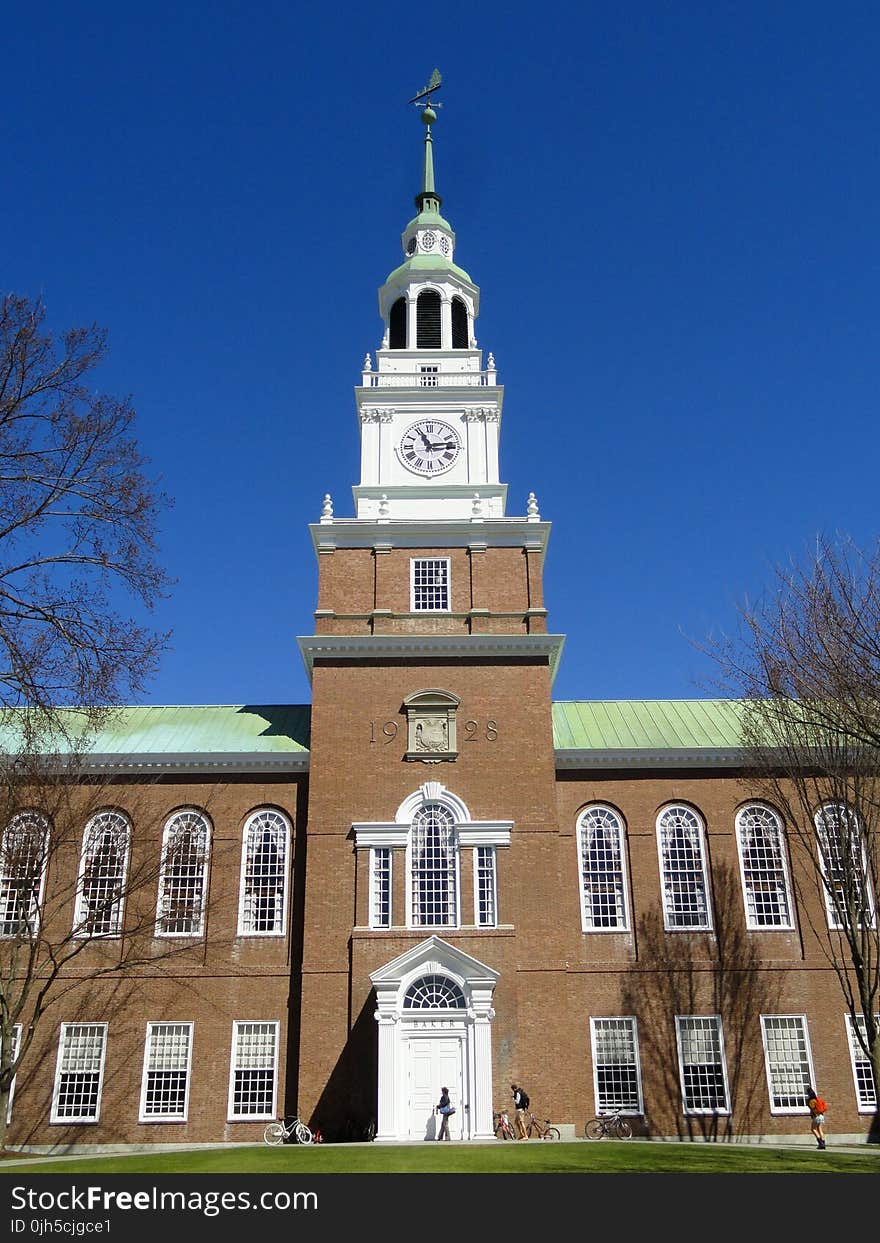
pixel 818 1105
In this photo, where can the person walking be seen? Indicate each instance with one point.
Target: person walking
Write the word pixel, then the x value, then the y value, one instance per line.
pixel 816 1106
pixel 444 1109
pixel 521 1104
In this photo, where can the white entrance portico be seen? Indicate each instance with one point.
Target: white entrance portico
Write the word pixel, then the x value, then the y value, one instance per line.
pixel 434 1011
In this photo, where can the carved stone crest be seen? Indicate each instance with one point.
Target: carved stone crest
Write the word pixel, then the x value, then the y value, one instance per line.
pixel 431 736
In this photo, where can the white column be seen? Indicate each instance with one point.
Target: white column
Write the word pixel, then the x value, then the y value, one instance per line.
pixel 386 1111
pixel 446 324
pixel 369 448
pixel 481 1098
pixel 493 419
pixel 411 336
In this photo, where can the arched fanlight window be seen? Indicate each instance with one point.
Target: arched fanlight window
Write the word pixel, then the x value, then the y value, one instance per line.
pixel 844 861
pixel 434 866
pixel 264 874
pixel 397 325
pixel 102 873
pixel 182 883
pixel 764 872
pixel 23 856
pixel 433 992
pixel 459 325
pixel 428 320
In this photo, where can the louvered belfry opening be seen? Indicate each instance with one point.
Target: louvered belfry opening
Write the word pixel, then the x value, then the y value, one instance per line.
pixel 428 320
pixel 459 325
pixel 397 325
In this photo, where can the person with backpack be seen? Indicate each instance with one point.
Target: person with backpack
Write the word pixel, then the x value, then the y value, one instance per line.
pixel 816 1106
pixel 521 1104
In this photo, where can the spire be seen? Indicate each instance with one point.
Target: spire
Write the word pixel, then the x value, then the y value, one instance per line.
pixel 428 199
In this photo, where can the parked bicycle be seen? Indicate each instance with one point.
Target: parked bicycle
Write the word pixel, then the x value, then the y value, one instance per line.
pixel 503 1127
pixel 610 1124
pixel 536 1129
pixel 288 1129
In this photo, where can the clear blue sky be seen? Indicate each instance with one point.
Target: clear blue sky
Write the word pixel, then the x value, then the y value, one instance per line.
pixel 671 210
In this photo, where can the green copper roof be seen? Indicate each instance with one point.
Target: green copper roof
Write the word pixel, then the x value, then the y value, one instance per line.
pixel 215 729
pixel 429 263
pixel 646 724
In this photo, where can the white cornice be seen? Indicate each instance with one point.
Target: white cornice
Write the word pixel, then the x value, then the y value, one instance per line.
pixel 429 533
pixel 465 647
pixel 667 757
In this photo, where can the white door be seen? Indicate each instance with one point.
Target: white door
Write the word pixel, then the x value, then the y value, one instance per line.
pixel 434 1063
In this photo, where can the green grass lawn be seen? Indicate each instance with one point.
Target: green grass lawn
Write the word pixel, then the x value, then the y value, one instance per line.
pixel 603 1157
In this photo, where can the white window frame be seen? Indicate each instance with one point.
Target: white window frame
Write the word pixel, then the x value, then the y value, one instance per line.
pixel 490 872
pixel 454 893
pixel 802 1071
pixel 237 1025
pixel 611 819
pixel 63 1048
pixel 824 851
pixel 604 1101
pixel 702 875
pixel 381 886
pixel 862 1071
pixel 180 1115
pixel 709 1022
pixel 165 891
pixel 117 913
pixel 747 874
pixel 8 881
pixel 249 826
pixel 447 586
pixel 16 1045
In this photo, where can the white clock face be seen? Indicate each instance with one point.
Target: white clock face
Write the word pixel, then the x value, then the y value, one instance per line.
pixel 429 447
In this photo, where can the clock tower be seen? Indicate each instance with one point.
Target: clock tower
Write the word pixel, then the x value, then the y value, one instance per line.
pixel 431 751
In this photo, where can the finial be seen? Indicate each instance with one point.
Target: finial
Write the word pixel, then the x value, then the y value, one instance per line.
pixel 383 505
pixel 327 509
pixel 491 363
pixel 532 508
pixel 428 198
pixel 477 507
pixel 368 362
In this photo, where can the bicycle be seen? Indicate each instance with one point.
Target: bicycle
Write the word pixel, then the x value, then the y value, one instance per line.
pixel 289 1128
pixel 503 1127
pixel 610 1124
pixel 542 1130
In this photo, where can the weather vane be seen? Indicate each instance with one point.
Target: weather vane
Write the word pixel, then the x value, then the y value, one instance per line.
pixel 425 94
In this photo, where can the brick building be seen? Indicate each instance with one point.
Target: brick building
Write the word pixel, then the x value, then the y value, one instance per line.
pixel 433 874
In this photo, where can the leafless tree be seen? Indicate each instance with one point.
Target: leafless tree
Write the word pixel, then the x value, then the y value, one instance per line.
pixel 807 667
pixel 78 519
pixel 80 865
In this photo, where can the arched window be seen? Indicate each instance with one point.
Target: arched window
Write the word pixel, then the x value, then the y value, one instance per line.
pixel 843 859
pixel 397 325
pixel 460 335
pixel 433 992
pixel 603 878
pixel 183 879
pixel 434 867
pixel 263 908
pixel 102 872
pixel 428 320
pixel 684 879
pixel 766 889
pixel 23 856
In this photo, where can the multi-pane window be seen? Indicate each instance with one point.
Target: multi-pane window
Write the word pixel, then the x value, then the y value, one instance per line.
pixel 380 887
pixel 433 992
pixel 23 856
pixel 165 1083
pixel 428 377
pixel 685 884
pixel 485 887
pixel 788 1061
pixel 430 584
pixel 848 897
pixel 16 1042
pixel 264 874
pixel 603 878
pixel 80 1072
pixel 617 1079
pixel 254 1070
pixel 102 871
pixel 764 872
pixel 701 1064
pixel 433 861
pixel 183 879
pixel 863 1072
